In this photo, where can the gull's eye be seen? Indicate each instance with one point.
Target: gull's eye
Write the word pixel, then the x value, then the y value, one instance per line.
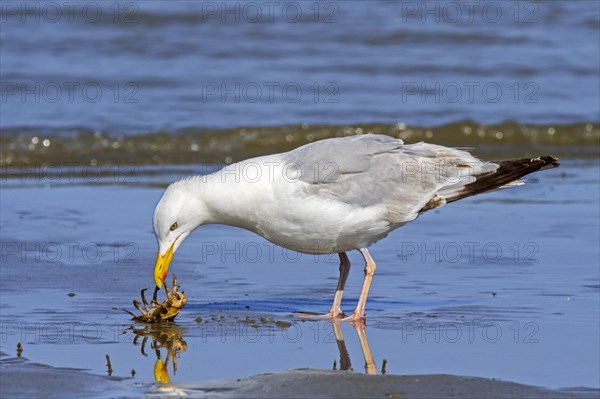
pixel 173 226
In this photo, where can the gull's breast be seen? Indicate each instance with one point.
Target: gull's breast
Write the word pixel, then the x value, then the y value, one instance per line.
pixel 318 225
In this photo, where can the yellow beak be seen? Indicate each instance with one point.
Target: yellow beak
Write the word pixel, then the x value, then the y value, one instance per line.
pixel 161 373
pixel 162 266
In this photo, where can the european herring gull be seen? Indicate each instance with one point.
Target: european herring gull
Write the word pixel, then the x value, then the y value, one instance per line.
pixel 330 196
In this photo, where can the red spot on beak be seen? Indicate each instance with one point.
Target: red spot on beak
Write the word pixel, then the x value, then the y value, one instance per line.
pixel 164 276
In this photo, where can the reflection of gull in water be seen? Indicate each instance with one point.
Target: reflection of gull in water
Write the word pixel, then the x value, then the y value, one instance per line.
pixel 330 196
pixel 168 337
pixel 345 363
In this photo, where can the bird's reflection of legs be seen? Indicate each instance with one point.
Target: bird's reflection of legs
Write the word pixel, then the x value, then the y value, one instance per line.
pixel 359 326
pixel 345 364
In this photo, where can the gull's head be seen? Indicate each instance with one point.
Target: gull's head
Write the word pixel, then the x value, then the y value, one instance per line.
pixel 179 212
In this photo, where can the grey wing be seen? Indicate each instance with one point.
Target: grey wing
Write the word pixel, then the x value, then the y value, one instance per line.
pixel 326 161
pixel 375 170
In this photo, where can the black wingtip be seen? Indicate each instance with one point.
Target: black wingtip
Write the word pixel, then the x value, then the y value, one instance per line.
pixel 508 171
pixel 549 161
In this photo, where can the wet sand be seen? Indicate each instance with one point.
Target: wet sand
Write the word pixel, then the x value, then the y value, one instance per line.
pixel 529 317
pixel 310 383
pixel 21 379
pixel 65 383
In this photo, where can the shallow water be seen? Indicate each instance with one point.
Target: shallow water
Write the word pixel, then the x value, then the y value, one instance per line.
pixel 504 285
pixel 154 66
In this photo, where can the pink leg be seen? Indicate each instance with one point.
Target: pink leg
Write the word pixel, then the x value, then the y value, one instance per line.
pixel 339 291
pixel 335 310
pixel 370 366
pixel 370 266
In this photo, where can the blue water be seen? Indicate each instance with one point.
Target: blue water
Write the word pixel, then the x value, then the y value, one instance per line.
pixel 193 66
pixel 141 67
pixel 503 285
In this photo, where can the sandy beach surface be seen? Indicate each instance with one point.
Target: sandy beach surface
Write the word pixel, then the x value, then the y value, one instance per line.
pixel 65 383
